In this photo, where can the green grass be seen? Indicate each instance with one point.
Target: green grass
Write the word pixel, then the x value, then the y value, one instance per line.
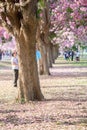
pixel 65 94
pixel 5 64
pixel 62 62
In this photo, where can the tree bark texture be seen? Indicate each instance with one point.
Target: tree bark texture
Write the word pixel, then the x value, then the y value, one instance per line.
pixel 43 38
pixel 49 55
pixel 44 68
pixel 19 17
pixel 55 52
pixel 29 87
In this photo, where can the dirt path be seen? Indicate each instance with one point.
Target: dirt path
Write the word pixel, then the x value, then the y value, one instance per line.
pixel 65 108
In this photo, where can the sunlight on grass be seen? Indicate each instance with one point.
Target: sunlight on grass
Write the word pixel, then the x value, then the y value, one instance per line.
pixel 5 64
pixel 65 93
pixel 61 61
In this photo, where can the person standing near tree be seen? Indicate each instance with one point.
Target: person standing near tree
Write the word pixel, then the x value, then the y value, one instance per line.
pixel 38 58
pixel 72 55
pixel 15 68
pixel 77 55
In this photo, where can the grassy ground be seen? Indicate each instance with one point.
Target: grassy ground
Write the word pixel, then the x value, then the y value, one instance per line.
pixel 65 107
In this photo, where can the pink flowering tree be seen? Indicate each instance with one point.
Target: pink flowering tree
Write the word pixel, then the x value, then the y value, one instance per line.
pixel 71 16
pixel 7 41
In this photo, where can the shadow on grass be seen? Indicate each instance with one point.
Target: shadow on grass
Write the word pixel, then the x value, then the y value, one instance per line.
pixel 70 87
pixel 81 122
pixel 67 119
pixel 6 77
pixel 14 119
pixel 68 67
pixel 62 99
pixel 69 74
pixel 55 75
pixel 9 111
pixel 72 63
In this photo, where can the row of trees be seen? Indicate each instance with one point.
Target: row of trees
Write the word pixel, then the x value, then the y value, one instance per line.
pixel 29 21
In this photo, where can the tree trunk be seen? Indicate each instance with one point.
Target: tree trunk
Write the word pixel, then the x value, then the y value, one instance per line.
pixel 52 57
pixel 20 18
pixel 44 68
pixel 49 55
pixel 43 38
pixel 55 52
pixel 29 88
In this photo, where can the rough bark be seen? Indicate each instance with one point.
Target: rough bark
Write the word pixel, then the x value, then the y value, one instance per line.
pixel 51 49
pixel 23 25
pixel 44 68
pixel 43 38
pixel 54 52
pixel 29 87
pixel 49 55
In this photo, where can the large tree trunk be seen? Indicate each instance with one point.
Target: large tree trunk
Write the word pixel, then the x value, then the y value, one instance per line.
pixel 29 88
pixel 20 18
pixel 43 39
pixel 43 63
pixel 28 72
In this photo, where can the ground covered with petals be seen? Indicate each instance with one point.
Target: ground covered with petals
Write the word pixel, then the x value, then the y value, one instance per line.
pixel 65 104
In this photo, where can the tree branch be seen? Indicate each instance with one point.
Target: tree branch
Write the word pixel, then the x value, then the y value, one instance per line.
pixel 24 3
pixel 2 4
pixel 6 25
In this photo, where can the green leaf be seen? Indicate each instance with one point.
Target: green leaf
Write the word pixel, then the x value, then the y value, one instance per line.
pixel 41 4
pixel 69 10
pixel 38 13
pixel 82 22
pixel 52 35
